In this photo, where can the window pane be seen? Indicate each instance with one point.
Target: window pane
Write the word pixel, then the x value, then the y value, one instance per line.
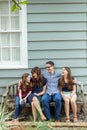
pixel 5 39
pixel 15 22
pixel 15 54
pixel 4 23
pixel 12 36
pixel 5 54
pixel 15 39
pixel 4 7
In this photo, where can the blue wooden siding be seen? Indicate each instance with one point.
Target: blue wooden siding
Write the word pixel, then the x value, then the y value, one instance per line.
pixel 57 31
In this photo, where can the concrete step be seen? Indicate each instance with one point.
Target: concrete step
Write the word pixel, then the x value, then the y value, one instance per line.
pixel 46 125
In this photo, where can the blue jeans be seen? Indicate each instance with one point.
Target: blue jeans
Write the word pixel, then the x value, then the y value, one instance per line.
pixel 46 99
pixel 18 107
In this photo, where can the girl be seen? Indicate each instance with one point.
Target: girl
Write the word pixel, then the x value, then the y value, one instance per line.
pixel 24 95
pixel 38 85
pixel 68 92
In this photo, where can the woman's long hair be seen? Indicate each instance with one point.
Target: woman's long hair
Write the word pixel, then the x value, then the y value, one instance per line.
pixel 24 81
pixel 69 79
pixel 39 80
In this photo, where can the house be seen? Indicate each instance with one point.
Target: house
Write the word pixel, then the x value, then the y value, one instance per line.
pixel 43 30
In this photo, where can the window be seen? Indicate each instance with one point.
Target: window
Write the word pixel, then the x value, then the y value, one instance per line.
pixel 13 36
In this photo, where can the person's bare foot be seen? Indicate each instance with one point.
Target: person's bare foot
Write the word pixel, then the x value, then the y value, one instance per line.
pixel 75 119
pixel 57 122
pixel 43 118
pixel 67 120
pixel 34 124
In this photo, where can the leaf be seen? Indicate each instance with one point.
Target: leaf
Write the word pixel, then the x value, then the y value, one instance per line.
pixel 14 7
pixel 24 2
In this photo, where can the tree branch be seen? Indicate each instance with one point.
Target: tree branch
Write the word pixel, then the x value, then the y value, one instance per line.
pixel 17 3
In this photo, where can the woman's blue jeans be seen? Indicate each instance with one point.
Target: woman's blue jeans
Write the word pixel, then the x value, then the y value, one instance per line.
pixel 18 107
pixel 46 99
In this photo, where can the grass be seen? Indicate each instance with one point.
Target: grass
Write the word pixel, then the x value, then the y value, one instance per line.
pixel 3 117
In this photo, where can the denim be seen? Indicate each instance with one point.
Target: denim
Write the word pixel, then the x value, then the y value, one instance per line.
pixel 18 107
pixel 46 99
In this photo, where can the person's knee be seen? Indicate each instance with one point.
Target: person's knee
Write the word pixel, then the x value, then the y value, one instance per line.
pixel 17 101
pixel 34 99
pixel 67 101
pixel 17 105
pixel 72 101
pixel 32 103
pixel 58 98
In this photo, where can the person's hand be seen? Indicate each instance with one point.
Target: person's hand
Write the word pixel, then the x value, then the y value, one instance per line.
pixel 62 94
pixel 71 96
pixel 25 100
pixel 21 101
pixel 36 94
pixel 75 81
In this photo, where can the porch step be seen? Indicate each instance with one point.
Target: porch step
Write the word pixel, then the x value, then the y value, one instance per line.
pixel 46 125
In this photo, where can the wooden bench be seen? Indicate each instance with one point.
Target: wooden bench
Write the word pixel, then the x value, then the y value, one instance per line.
pixel 12 87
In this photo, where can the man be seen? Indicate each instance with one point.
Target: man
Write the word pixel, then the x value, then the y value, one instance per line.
pixel 52 91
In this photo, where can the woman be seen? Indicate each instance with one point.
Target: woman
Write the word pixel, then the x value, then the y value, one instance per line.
pixel 24 95
pixel 68 92
pixel 38 82
pixel 38 85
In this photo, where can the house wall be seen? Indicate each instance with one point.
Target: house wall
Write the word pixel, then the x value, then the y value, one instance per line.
pixel 57 32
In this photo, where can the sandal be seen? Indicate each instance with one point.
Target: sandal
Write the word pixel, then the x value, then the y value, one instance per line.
pixel 67 120
pixel 75 119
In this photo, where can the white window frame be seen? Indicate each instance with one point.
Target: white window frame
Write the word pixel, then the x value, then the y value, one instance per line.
pixel 23 44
